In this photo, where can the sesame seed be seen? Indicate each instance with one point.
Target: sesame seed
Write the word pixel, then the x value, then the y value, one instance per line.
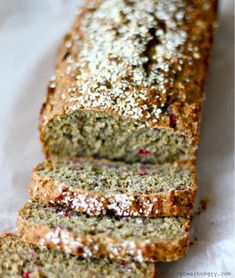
pixel 196 55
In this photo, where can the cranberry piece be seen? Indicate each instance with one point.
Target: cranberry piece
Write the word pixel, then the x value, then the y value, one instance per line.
pixel 68 214
pixel 172 119
pixel 26 274
pixel 80 250
pixel 32 254
pixel 143 152
pixel 143 173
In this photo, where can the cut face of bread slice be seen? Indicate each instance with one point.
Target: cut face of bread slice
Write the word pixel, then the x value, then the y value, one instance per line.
pixel 139 239
pixel 20 259
pixel 102 135
pixel 105 187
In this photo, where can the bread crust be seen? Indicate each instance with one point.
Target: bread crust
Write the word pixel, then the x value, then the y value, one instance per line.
pixel 5 235
pixel 184 103
pixel 171 203
pixel 98 246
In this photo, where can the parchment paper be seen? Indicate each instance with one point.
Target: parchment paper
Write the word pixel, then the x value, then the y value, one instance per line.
pixel 30 32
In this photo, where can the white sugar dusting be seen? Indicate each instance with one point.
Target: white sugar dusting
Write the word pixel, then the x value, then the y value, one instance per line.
pixel 63 239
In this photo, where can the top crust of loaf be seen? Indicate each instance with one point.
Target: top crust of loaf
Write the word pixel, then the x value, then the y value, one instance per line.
pixel 143 60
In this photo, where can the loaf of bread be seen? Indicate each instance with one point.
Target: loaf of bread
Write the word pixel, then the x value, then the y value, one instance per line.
pixel 126 238
pixel 129 81
pixel 98 186
pixel 128 87
pixel 19 259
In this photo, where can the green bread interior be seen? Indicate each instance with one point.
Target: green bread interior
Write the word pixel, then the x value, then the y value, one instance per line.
pixel 126 228
pixel 117 177
pixel 96 134
pixel 19 259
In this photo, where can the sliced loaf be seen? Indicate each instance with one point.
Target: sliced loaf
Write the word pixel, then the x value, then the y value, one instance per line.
pixel 19 259
pixel 104 187
pixel 129 81
pixel 129 238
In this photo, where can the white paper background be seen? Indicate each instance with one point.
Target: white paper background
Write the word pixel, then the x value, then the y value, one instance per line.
pixel 30 32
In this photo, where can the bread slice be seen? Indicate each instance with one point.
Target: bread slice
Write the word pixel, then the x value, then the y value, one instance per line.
pixel 19 259
pixel 128 238
pixel 104 187
pixel 129 81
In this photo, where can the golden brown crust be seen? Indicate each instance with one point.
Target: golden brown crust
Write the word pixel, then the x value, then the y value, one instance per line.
pixel 91 246
pixel 171 203
pixel 5 235
pixel 183 95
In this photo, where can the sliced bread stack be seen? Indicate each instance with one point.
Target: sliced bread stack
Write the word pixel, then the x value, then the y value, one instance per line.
pixel 120 129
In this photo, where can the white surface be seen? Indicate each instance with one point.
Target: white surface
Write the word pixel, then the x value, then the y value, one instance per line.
pixel 30 32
